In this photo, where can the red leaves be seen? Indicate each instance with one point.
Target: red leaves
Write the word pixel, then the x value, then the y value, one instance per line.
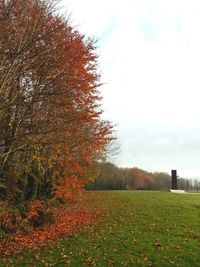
pixel 53 98
pixel 6 222
pixel 141 178
pixel 67 222
pixel 76 166
pixel 89 261
pixel 69 188
pixel 34 208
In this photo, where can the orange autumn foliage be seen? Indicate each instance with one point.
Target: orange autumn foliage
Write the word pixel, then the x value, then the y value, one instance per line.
pixel 69 189
pixel 141 178
pixel 51 125
pixel 34 208
pixel 6 222
pixel 67 222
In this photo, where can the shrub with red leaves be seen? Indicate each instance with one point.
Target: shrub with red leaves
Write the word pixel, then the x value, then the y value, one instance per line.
pixel 67 222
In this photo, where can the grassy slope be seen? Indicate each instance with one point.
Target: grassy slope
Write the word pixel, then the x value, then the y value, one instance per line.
pixel 140 229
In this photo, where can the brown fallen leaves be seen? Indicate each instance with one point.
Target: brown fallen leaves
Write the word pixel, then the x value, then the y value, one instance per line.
pixel 67 222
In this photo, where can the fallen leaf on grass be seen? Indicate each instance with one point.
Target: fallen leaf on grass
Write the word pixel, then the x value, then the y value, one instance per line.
pixel 68 221
pixel 157 244
pixel 111 261
pixel 88 261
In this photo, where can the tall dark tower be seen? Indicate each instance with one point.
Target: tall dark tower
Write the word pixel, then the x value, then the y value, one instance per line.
pixel 174 180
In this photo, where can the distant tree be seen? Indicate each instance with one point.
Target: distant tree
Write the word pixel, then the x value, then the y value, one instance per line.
pixel 140 179
pixel 108 178
pixel 161 181
pixel 196 185
pixel 111 177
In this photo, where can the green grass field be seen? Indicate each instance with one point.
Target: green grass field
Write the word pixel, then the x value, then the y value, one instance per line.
pixel 139 228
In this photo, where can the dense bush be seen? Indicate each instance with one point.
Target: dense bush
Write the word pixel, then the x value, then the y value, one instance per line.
pixel 34 214
pixel 39 214
pixel 10 219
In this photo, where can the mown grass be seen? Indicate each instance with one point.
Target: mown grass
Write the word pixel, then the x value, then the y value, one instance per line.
pixel 139 228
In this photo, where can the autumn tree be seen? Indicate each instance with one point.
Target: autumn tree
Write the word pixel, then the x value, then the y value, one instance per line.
pixel 162 181
pixel 109 177
pixel 139 179
pixel 51 130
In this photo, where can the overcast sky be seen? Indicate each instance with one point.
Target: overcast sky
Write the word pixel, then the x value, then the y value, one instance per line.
pixel 150 60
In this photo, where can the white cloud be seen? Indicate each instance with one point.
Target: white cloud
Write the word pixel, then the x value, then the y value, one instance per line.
pixel 150 59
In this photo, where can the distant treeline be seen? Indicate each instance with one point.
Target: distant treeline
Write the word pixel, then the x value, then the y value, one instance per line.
pixel 111 177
